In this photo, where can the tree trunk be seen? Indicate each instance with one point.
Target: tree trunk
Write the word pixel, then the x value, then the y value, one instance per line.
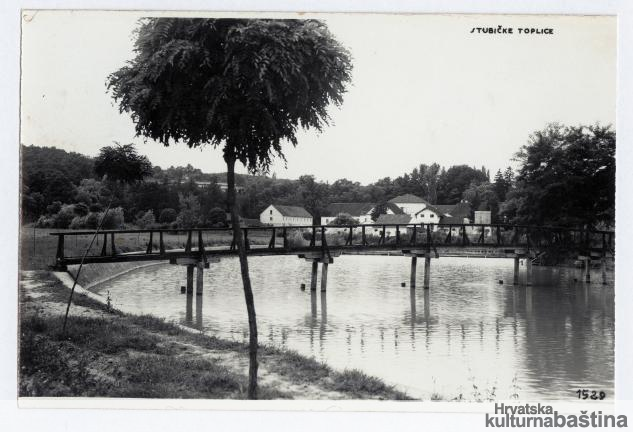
pixel 246 280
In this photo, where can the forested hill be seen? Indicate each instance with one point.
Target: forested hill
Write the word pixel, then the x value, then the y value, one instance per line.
pixel 53 172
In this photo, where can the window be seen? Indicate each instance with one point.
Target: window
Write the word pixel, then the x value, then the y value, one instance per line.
pixel 432 215
pixel 271 218
pixel 271 211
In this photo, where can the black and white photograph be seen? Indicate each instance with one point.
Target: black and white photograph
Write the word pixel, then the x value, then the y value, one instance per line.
pixel 398 209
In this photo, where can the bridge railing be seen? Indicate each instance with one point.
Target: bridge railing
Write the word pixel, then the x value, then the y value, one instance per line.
pixel 157 242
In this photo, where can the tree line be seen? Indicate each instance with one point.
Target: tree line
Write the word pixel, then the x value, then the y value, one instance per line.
pixel 566 176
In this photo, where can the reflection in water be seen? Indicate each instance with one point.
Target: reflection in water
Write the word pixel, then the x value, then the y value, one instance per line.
pixel 189 310
pixel 546 339
pixel 199 312
pixel 323 309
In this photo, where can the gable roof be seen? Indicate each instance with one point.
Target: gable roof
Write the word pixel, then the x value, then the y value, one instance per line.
pixel 407 199
pixel 394 208
pixel 292 211
pixel 455 213
pixel 392 219
pixel 446 209
pixel 433 209
pixel 352 209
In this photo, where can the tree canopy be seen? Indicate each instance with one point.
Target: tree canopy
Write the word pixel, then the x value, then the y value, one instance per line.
pixel 567 177
pixel 246 83
pixel 121 163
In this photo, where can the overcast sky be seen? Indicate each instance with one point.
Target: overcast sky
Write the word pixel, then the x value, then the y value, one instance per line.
pixel 424 90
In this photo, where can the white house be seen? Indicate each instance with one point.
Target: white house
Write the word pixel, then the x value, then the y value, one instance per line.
pixel 409 204
pixel 483 216
pixel 359 211
pixel 428 215
pixel 276 214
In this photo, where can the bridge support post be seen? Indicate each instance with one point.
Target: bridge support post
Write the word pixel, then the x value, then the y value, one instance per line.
pixel 427 271
pixel 190 279
pixel 528 271
pixel 516 270
pixel 587 270
pixel 603 270
pixel 324 276
pixel 200 278
pixel 414 263
pixel 313 280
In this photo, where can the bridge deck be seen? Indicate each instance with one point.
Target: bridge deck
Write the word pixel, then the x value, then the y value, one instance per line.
pixel 476 240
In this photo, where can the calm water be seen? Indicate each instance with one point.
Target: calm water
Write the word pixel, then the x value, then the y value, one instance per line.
pixel 467 335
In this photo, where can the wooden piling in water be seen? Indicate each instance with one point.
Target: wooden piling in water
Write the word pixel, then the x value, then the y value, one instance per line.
pixel 588 270
pixel 324 267
pixel 528 271
pixel 427 271
pixel 603 270
pixel 516 270
pixel 313 280
pixel 414 263
pixel 190 279
pixel 200 278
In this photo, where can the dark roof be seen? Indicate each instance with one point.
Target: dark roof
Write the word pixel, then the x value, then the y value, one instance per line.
pixel 292 211
pixel 394 208
pixel 432 208
pixel 352 209
pixel 455 213
pixel 407 198
pixel 389 219
pixel 445 208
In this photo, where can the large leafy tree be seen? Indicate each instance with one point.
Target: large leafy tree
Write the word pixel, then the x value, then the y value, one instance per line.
pixel 456 180
pixel 246 85
pixel 567 177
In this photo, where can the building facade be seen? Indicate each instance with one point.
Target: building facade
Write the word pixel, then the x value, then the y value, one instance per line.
pixel 409 204
pixel 359 211
pixel 284 215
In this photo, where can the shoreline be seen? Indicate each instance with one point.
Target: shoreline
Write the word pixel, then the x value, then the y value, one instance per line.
pixel 108 353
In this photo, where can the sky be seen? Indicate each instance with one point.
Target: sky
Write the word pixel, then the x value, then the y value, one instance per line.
pixel 424 89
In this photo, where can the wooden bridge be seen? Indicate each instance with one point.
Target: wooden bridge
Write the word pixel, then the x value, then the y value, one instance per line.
pixel 198 247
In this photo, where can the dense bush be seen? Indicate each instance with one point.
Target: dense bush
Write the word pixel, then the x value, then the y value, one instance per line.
pixel 65 216
pixel 343 219
pixel 167 215
pixel 81 209
pixel 145 219
pixel 189 216
pixel 216 217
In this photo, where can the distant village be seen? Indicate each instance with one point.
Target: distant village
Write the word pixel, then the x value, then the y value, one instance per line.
pixel 402 210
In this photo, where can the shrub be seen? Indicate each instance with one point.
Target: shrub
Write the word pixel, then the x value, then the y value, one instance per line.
pixel 54 208
pixel 64 217
pixel 217 217
pixel 343 219
pixel 296 239
pixel 81 209
pixel 78 222
pixel 114 219
pixel 167 215
pixel 45 222
pixel 189 216
pixel 95 207
pixel 145 219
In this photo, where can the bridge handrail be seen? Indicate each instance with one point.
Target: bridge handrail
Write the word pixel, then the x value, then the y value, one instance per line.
pixel 359 225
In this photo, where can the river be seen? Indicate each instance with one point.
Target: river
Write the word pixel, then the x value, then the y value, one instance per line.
pixel 467 337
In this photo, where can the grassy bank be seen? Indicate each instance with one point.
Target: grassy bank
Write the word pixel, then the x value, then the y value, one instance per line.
pixel 109 354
